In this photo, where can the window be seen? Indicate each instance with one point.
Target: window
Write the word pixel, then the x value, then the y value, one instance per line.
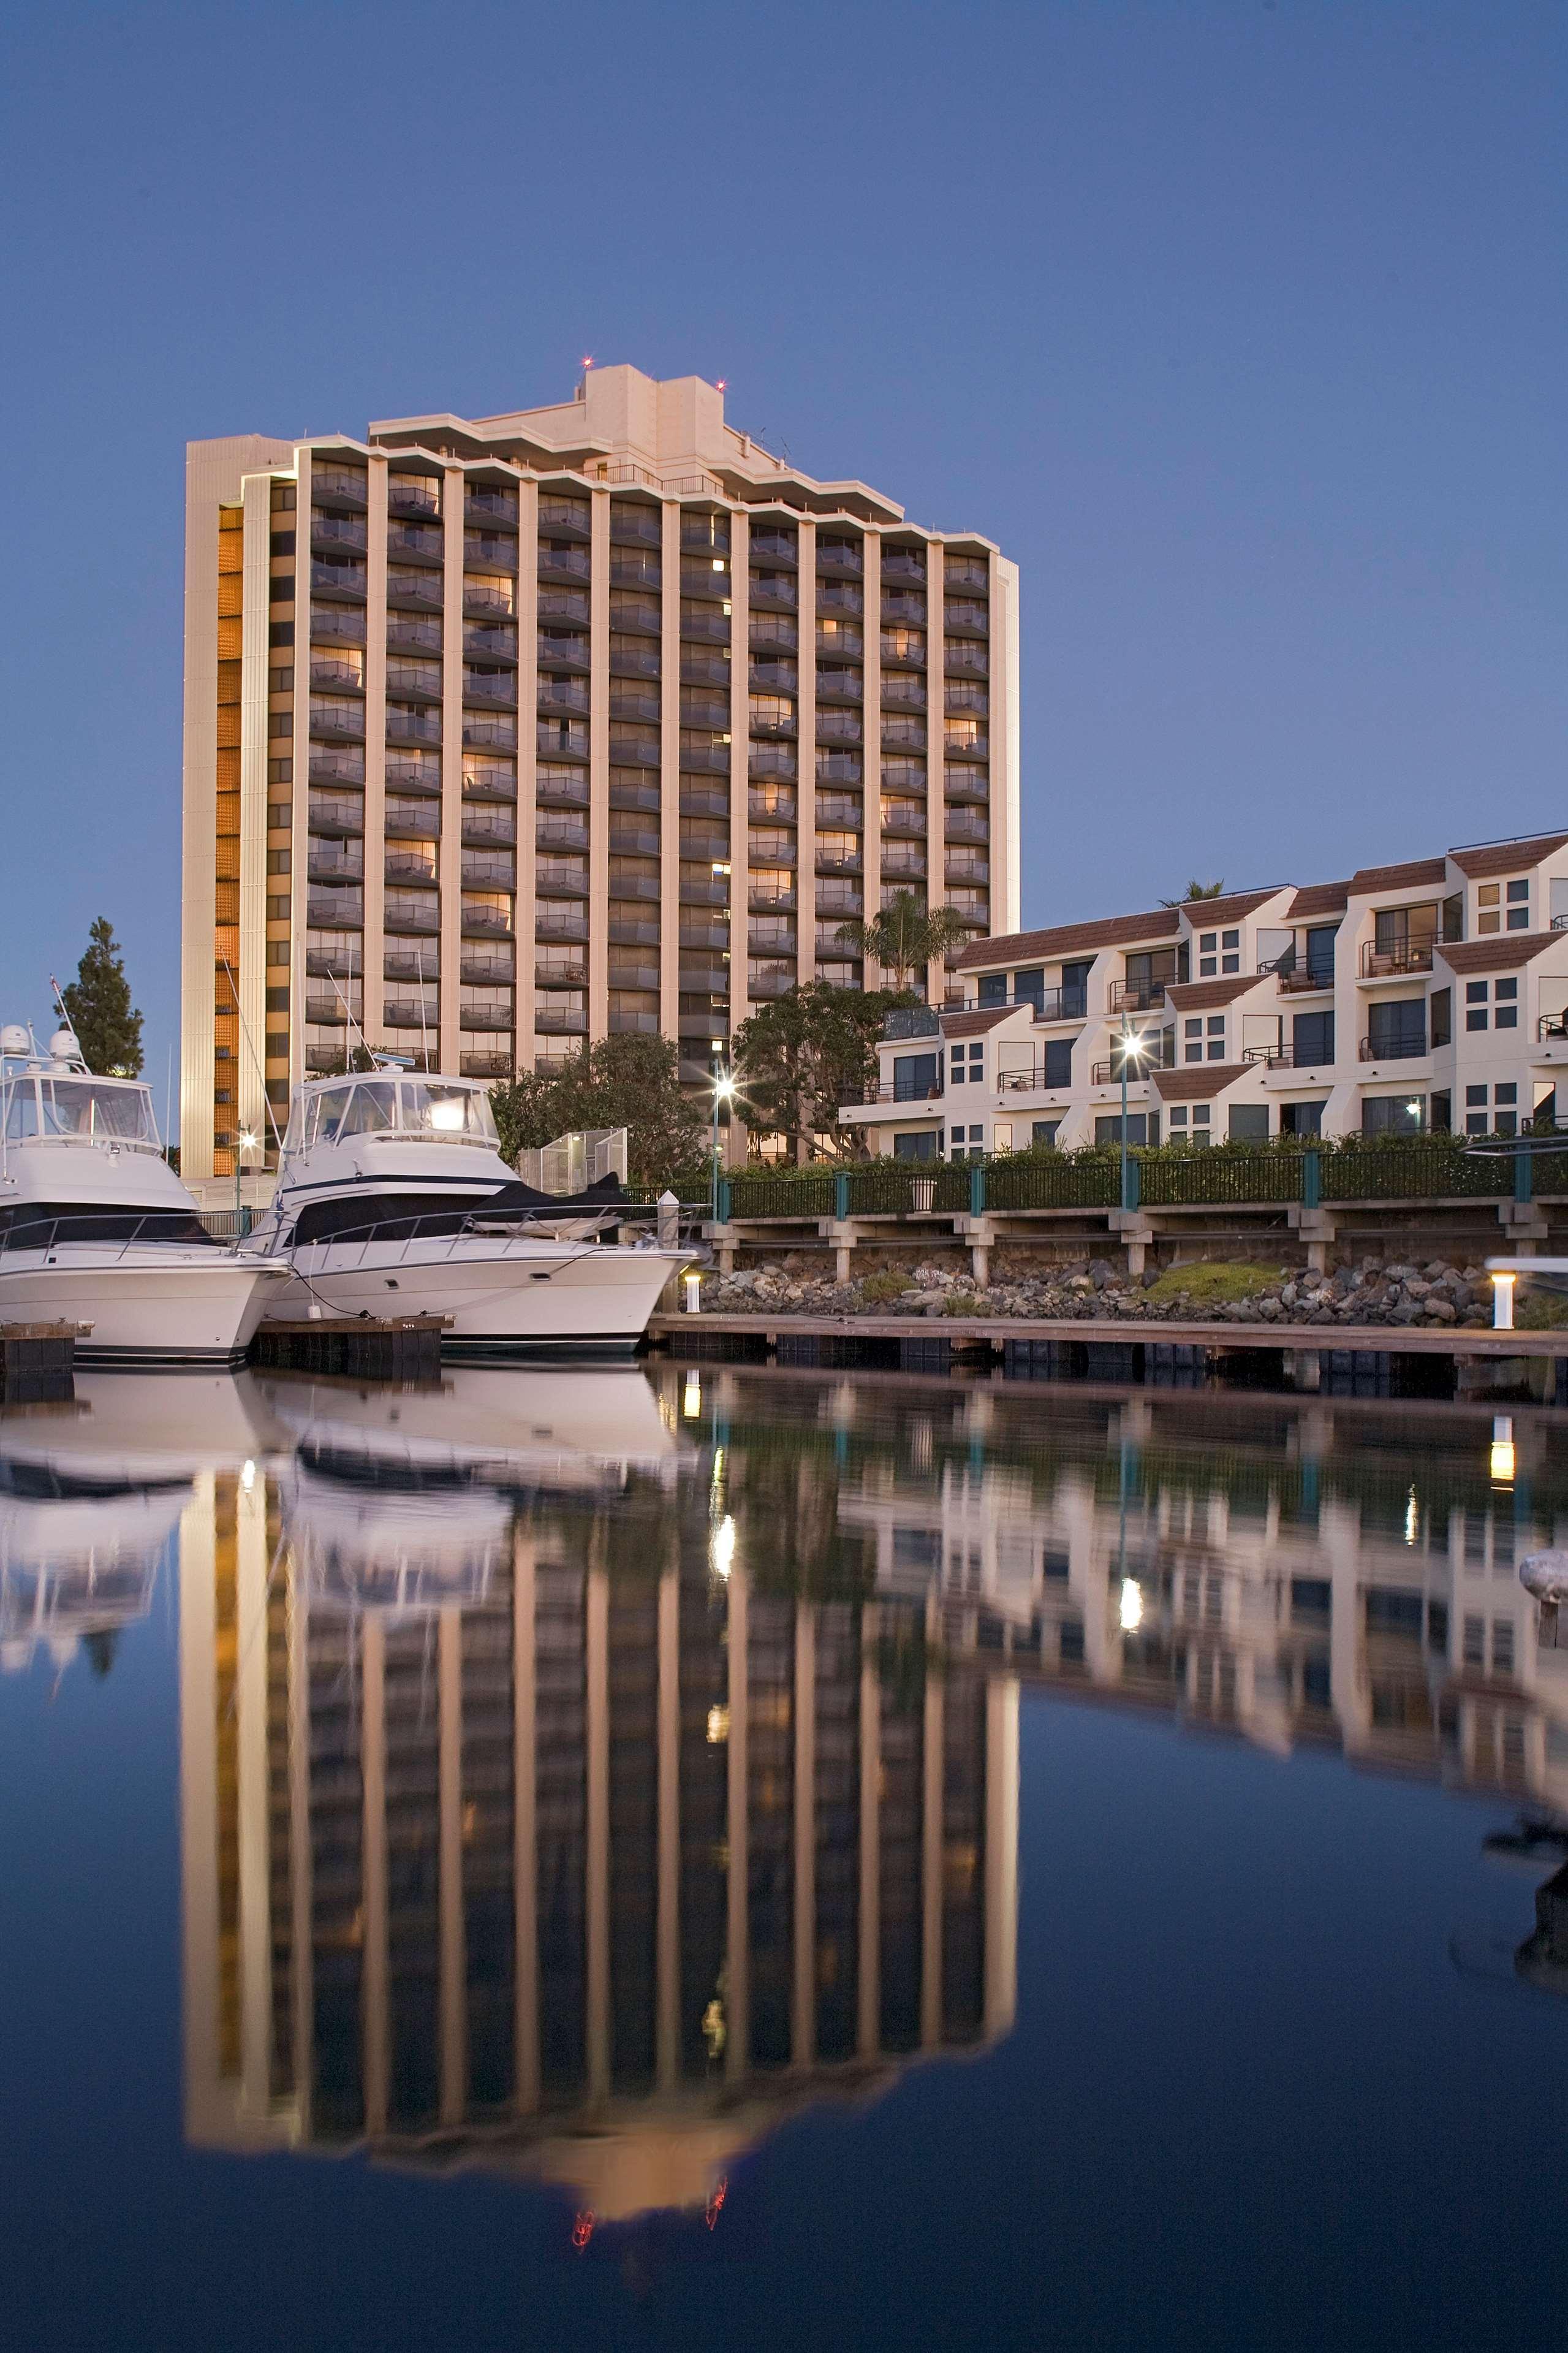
pixel 1192 1041
pixel 1230 956
pixel 915 1076
pixel 994 988
pixel 1502 1646
pixel 1249 1123
pixel 1303 1118
pixel 1214 1042
pixel 1313 1040
pixel 1321 941
pixel 974 1055
pixel 1396 1029
pixel 1518 906
pixel 1044 1133
pixel 1505 1004
pixel 1191 1123
pixel 1030 986
pixel 1142 1127
pixel 1393 1116
pixel 922 1145
pixel 1057 1062
pixel 1442 1017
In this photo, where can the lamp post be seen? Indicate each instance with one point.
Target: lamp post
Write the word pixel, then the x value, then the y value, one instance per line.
pixel 247 1143
pixel 1132 1047
pixel 723 1092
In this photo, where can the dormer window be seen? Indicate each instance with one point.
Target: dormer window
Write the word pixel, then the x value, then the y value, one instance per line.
pixel 1503 906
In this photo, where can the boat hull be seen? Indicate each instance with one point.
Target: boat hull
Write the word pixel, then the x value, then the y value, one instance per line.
pixel 151 1306
pixel 501 1298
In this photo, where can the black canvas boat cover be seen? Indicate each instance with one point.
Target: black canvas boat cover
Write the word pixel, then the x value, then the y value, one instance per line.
pixel 361 1217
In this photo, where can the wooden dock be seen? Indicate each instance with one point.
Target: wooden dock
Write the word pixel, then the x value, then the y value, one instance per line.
pixel 382 1349
pixel 38 1360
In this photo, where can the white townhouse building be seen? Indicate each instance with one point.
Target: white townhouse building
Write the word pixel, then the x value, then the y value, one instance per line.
pixel 1429 995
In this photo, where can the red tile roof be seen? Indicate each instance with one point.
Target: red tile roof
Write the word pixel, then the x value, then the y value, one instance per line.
pixel 975 1023
pixel 1501 954
pixel 1317 899
pixel 1202 912
pixel 1199 1080
pixel 1415 871
pixel 1505 857
pixel 1199 995
pixel 1067 940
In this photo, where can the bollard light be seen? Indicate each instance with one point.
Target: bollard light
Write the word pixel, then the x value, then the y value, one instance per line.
pixel 1502 1301
pixel 693 1293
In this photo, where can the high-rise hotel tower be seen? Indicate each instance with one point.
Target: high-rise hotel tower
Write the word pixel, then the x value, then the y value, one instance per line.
pixel 762 704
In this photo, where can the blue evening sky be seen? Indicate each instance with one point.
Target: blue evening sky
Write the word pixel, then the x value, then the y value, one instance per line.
pixel 1241 327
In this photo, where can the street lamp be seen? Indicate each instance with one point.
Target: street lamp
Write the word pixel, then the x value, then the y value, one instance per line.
pixel 723 1092
pixel 1132 1047
pixel 247 1143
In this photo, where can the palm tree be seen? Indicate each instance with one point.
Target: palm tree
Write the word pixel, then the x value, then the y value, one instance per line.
pixel 1197 889
pixel 907 935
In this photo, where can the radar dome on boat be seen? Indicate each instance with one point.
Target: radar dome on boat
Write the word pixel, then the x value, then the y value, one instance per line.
pixel 63 1047
pixel 14 1039
pixel 1546 1575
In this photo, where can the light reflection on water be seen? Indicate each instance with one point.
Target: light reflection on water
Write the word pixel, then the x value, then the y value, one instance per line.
pixel 583 1772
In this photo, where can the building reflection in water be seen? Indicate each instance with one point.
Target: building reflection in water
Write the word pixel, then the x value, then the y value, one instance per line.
pixel 559 1795
pixel 582 1770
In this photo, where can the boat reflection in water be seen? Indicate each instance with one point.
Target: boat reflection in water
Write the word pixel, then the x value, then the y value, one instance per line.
pixel 560 1797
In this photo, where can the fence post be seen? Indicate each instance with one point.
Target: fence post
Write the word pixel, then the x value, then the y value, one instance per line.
pixel 841 1195
pixel 1311 1177
pixel 976 1189
pixel 723 1202
pixel 1134 1187
pixel 1524 1177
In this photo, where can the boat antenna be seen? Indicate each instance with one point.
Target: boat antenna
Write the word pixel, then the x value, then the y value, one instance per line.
pixel 349 1012
pixel 66 1019
pixel 424 1032
pixel 251 1048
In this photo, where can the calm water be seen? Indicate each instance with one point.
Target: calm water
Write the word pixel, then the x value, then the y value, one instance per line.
pixel 708 1856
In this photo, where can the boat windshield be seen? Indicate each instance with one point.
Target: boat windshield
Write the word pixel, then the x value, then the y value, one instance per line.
pixel 96 1110
pixel 436 1108
pixel 431 1107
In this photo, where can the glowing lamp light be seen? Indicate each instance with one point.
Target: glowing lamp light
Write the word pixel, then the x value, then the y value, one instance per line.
pixel 692 1397
pixel 587 359
pixel 722 1550
pixel 1501 1465
pixel 446 1116
pixel 724 1088
pixel 248 1142
pixel 1502 1301
pixel 1131 1605
pixel 248 1477
pixel 693 1293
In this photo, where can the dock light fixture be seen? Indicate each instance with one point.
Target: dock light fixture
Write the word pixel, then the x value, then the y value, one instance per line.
pixel 1502 1448
pixel 723 1092
pixel 693 1293
pixel 1502 1301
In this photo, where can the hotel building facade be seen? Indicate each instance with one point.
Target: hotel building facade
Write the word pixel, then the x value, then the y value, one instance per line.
pixel 762 703
pixel 1431 995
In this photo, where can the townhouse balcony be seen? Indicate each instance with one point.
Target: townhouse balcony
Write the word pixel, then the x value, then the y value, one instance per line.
pixel 1402 1049
pixel 1392 964
pixel 1299 980
pixel 1551 1029
pixel 418 502
pixel 905 1090
pixel 1109 1073
pixel 1137 996
pixel 488 502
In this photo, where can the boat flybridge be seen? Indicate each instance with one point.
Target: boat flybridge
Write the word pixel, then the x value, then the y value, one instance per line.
pixel 95 1227
pixel 393 1199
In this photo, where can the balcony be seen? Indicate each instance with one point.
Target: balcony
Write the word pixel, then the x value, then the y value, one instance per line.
pixel 902 692
pixel 627 705
pixel 414 637
pixel 486 922
pixel 904 865
pixel 715 587
pixel 486 971
pixel 711 628
pixel 333 533
pixel 344 577
pixel 486 1066
pixel 707 670
pixel 903 735
pixel 322 868
pixel 489 502
pixel 765 901
pixel 336 767
pixel 634 976
pixel 1109 1073
pixel 839 727
pixel 1392 964
pixel 841 686
pixel 838 768
pixel 773 731
pixel 633 840
pixel 903 604
pixel 778 595
pixel 635 796
pixel 901 657
pixel 343 818
pixel 635 527
pixel 972 697
pixel 413 726
pixel 962 661
pixel 629 572
pixel 968 574
pixel 775 547
pixel 705 760
pixel 700 710
pixel 346 725
pixel 968 868
pixel 490 641
pixel 344 486
pixel 419 964
pixel 640 662
pixel 417 501
pixel 961 825
pixel 482 734
pixel 1551 1029
pixel 337 677
pixel 705 534
pixel 904 822
pixel 408 866
pixel 905 1090
pixel 336 912
pixel 420 591
pixel 703 935
pixel 965 788
pixel 410 1013
pixel 1138 996
pixel 762 985
pixel 485 828
pixel 550 833
pixel 413 916
pixel 701 980
pixel 566 565
pixel 839 596
pixel 1399 1049
pixel 421 541
pixel 765 760
pixel 341 625
pixel 490 687
pixel 844 905
pixel 552 924
pixel 839 809
pixel 562 655
pixel 964 620
pixel 490 1018
pixel 1298 980
pixel 561 517
pixel 416 824
pixel 966 747
pixel 902 563
pixel 561 1020
pixel 770 677
pixel 837 862
pixel 695 893
pixel 331 1011
pixel 630 931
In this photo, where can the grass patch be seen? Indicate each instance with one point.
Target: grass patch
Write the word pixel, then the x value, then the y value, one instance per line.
pixel 1541 1311
pixel 1214 1283
pixel 879 1287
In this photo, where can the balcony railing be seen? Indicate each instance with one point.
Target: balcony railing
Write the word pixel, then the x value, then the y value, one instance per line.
pixel 413 637
pixel 410 1013
pixel 560 1021
pixel 908 1091
pixel 414 539
pixel 572 516
pixel 1137 996
pixel 1109 1073
pixel 334 870
pixel 422 589
pixel 1296 979
pixel 911 863
pixel 904 822
pixel 1552 1028
pixel 333 1010
pixel 575 564
pixel 840 686
pixel 642 663
pixel 716 587
pixel 903 693
pixel 1388 964
pixel 964 571
pixel 341 625
pixel 345 483
pixel 712 628
pixel 901 564
pixel 775 547
pixel 485 972
pixel 485 1066
pixel 1399 1049
pixel 403 866
pixel 413 498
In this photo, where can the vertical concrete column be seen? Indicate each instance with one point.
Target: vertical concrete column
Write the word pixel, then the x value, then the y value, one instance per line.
pixel 525 1829
pixel 934 1798
pixel 936 761
pixel 254 1800
pixel 1001 1855
pixel 527 761
pixel 373 941
pixel 249 971
pixel 1005 749
pixel 872 756
pixel 450 861
pixel 740 765
pixel 375 1977
pixel 803 2034
pixel 870 2019
pixel 806 778
pixel 738 1937
pixel 599 767
pixel 300 851
pixel 453 1945
pixel 596 1908
pixel 667 1950
pixel 669 773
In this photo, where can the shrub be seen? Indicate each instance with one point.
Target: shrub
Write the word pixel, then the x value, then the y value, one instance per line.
pixel 1213 1284
pixel 877 1288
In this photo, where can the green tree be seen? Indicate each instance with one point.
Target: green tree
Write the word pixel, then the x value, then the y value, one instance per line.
pixel 97 1004
pixel 1197 889
pixel 800 1057
pixel 907 935
pixel 632 1083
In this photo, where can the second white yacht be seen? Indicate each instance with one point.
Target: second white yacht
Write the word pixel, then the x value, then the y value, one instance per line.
pixel 96 1228
pixel 393 1199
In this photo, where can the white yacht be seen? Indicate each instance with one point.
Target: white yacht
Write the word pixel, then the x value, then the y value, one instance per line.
pixel 393 1199
pixel 96 1227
